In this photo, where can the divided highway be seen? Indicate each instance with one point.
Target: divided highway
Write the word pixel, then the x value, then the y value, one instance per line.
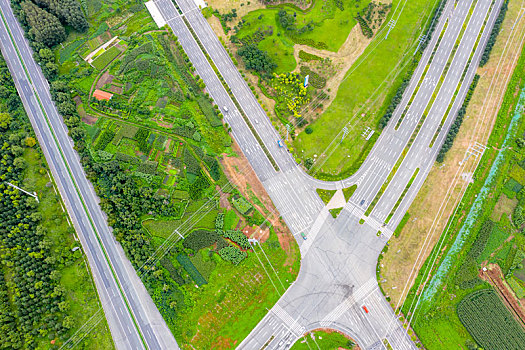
pixel 133 319
pixel 338 268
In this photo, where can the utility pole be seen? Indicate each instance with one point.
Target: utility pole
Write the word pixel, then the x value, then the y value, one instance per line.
pixel 422 38
pixel 34 195
pixel 288 128
pixel 345 132
pixel 391 26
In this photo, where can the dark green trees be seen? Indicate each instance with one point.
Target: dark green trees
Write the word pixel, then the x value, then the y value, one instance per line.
pixel 256 59
pixel 45 28
pixel 67 11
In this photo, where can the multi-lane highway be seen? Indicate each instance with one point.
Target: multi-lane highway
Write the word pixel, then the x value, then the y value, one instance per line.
pixel 133 319
pixel 337 276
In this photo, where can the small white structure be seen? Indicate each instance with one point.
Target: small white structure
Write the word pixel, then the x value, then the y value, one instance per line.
pixel 155 13
pixel 200 4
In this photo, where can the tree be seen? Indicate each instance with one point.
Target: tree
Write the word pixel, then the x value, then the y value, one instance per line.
pixel 67 11
pixel 44 27
pixel 5 120
pixel 30 141
pixel 256 59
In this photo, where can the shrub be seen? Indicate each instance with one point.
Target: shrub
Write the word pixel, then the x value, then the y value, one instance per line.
pixel 242 205
pixel 199 239
pixel 104 140
pixel 232 254
pixel 237 237
pixel 191 269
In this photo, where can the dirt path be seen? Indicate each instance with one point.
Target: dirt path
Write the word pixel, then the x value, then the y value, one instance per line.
pixel 341 61
pixel 494 276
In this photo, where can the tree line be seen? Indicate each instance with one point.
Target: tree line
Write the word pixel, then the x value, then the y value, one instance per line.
pixel 32 300
pixel 45 22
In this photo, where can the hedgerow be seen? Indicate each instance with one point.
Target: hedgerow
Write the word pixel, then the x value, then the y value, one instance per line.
pixel 104 140
pixel 493 34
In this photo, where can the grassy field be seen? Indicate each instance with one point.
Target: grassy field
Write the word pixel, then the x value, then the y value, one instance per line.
pixel 363 96
pixel 331 26
pixel 81 294
pixel 235 299
pixel 323 340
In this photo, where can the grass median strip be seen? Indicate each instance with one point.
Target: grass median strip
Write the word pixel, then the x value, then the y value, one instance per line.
pixel 403 194
pixel 73 180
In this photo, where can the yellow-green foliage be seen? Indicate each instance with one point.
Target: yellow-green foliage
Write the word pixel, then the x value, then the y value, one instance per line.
pixel 518 173
pixel 289 87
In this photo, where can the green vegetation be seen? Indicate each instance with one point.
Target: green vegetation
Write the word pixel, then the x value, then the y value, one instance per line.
pixel 152 152
pixel 476 236
pixel 46 291
pixel 335 212
pixel 364 98
pixel 106 57
pixel 323 340
pixel 494 33
pixel 348 192
pixel 325 195
pixel 489 321
pixel 275 29
pixel 454 128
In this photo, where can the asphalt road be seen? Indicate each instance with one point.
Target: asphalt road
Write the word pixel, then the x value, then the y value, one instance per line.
pixel 121 291
pixel 339 257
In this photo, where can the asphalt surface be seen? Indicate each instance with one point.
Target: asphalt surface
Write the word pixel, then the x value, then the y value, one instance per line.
pixel 124 286
pixel 339 257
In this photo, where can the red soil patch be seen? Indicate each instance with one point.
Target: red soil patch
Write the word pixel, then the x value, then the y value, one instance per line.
pixel 239 171
pixel 494 276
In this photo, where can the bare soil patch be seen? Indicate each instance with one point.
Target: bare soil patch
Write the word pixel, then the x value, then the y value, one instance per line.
pixel 240 173
pixel 494 276
pixel 339 62
pixel 503 205
pixel 399 266
pixel 106 78
pixel 242 7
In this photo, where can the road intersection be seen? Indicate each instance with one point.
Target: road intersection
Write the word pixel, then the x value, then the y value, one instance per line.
pixel 337 278
pixel 339 257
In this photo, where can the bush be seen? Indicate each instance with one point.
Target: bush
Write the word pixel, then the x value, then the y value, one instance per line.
pixel 242 205
pixel 199 239
pixel 307 57
pixel 191 269
pixel 308 130
pixel 454 128
pixel 232 254
pixel 494 34
pixel 256 59
pixel 237 237
pixel 142 140
pixel 103 140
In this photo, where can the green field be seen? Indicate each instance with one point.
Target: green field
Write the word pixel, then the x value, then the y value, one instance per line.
pixel 323 340
pixel 106 58
pixel 331 27
pixel 364 95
